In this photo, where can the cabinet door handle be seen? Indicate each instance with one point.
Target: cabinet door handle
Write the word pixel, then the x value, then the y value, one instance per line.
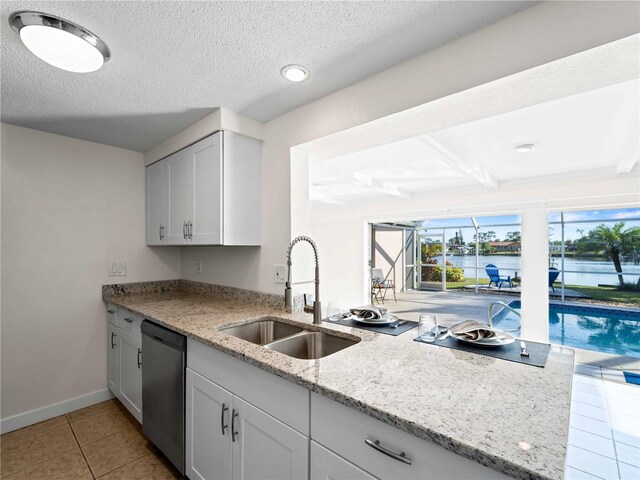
pixel 224 427
pixel 375 444
pixel 190 229
pixel 161 232
pixel 184 230
pixel 234 415
pixel 113 345
pixel 128 320
pixel 139 358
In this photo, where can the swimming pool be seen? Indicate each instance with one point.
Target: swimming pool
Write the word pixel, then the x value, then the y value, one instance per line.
pixel 591 328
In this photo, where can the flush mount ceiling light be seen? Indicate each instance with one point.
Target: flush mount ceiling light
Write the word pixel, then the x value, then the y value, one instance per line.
pixel 525 147
pixel 59 42
pixel 295 73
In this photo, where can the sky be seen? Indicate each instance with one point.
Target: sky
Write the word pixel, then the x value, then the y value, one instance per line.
pixel 574 221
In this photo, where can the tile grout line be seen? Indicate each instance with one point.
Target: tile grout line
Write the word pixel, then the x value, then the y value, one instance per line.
pixel 596 476
pixel 47 459
pixel 132 427
pixel 82 451
pixel 124 465
pixel 595 434
pixel 34 434
pixel 615 450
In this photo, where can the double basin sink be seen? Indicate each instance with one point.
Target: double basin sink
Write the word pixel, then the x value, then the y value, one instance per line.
pixel 291 340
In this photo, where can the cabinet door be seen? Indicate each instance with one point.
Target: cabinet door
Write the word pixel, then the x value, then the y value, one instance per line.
pixel 242 190
pixel 113 359
pixel 265 448
pixel 326 465
pixel 207 413
pixel 179 196
pixel 206 158
pixel 131 374
pixel 155 203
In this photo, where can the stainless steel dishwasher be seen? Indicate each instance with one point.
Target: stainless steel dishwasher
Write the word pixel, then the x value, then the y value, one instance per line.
pixel 163 374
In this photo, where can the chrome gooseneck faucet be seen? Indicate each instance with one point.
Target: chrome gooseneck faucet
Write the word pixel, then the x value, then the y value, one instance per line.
pixel 288 296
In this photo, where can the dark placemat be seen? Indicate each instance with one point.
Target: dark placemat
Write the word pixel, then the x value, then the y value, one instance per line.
pixel 386 329
pixel 538 352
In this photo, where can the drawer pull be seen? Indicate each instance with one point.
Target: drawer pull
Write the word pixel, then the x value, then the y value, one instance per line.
pixel 111 311
pixel 397 456
pixel 234 432
pixel 128 320
pixel 224 427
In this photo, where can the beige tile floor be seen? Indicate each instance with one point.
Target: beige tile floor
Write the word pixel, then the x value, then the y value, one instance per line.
pixel 101 441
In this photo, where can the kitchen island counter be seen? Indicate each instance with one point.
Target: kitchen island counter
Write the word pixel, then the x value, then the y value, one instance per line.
pixel 508 416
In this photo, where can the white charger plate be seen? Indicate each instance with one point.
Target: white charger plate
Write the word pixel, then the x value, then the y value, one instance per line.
pixel 386 319
pixel 489 342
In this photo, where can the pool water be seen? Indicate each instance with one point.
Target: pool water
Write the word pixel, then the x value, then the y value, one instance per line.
pixel 591 328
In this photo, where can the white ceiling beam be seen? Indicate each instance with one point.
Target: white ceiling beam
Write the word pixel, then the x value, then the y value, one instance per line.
pixel 630 152
pixel 381 186
pixel 467 167
pixel 314 197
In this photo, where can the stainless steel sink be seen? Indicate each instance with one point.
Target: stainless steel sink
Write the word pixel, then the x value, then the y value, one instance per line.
pixel 311 345
pixel 263 332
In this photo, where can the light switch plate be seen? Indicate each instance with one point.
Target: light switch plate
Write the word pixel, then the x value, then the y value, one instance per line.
pixel 279 273
pixel 117 269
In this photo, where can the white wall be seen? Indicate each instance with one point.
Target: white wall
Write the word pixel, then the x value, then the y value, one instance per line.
pixel 68 208
pixel 543 33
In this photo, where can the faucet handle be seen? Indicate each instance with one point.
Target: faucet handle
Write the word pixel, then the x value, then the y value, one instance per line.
pixel 308 299
pixel 308 303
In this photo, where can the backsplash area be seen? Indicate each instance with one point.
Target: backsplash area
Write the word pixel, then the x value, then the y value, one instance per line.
pixel 200 288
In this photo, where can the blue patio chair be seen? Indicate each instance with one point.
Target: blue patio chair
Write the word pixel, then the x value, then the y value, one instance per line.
pixel 494 276
pixel 553 275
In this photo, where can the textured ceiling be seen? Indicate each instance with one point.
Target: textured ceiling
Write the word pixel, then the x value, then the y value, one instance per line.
pixel 592 133
pixel 174 62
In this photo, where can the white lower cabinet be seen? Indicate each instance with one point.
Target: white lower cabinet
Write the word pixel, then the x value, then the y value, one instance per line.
pixel 242 422
pixel 326 465
pixel 265 448
pixel 113 359
pixel 124 358
pixel 228 438
pixel 208 413
pixel 131 373
pixel 385 451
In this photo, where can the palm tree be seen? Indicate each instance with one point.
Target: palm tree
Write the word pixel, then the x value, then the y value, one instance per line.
pixel 617 242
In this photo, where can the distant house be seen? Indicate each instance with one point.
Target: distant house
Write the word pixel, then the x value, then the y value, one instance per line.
pixel 505 246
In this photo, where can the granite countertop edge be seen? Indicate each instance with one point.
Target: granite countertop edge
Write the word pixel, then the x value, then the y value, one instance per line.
pixel 454 445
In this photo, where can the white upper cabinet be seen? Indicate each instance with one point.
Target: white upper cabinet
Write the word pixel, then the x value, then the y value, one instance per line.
pixel 155 207
pixel 179 194
pixel 242 190
pixel 211 194
pixel 206 158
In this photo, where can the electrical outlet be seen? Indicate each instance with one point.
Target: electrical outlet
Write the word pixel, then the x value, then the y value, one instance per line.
pixel 199 266
pixel 117 269
pixel 279 273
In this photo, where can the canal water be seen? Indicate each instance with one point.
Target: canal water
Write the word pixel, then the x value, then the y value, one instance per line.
pixel 508 265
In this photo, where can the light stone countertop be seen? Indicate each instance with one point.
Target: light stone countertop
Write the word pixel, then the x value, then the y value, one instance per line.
pixel 479 407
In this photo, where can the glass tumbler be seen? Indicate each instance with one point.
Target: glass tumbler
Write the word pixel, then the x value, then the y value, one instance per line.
pixel 427 328
pixel 335 311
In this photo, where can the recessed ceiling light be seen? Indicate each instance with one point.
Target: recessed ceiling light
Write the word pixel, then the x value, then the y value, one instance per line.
pixel 525 147
pixel 295 73
pixel 59 42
